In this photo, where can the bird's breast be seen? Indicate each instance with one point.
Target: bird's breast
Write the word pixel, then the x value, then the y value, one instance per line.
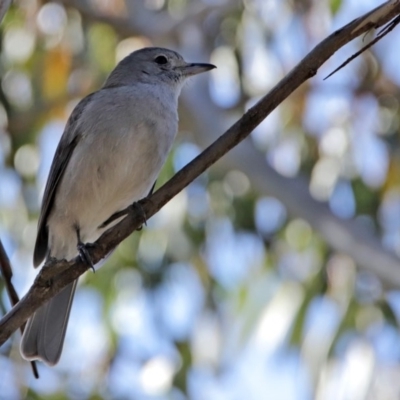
pixel 116 163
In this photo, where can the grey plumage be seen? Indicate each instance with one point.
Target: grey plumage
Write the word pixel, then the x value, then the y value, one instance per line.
pixel 112 149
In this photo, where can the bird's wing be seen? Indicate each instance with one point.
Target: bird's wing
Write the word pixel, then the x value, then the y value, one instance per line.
pixel 68 142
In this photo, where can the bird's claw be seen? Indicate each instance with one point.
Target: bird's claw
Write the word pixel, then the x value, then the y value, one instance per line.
pixel 84 254
pixel 137 207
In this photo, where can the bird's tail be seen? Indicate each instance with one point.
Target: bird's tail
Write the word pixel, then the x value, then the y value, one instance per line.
pixel 44 333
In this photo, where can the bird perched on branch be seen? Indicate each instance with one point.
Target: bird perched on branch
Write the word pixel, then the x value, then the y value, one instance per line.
pixel 109 156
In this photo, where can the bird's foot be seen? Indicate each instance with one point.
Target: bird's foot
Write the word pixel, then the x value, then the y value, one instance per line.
pixel 83 249
pixel 84 254
pixel 137 207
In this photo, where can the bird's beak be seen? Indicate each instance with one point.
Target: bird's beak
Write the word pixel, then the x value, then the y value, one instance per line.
pixel 195 68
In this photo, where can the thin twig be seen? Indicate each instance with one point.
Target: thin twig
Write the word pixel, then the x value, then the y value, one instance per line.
pixel 388 28
pixel 6 271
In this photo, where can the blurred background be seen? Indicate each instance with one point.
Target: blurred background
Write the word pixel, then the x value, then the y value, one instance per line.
pixel 275 275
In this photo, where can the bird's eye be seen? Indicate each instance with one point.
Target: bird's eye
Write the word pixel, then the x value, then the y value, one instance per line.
pixel 161 59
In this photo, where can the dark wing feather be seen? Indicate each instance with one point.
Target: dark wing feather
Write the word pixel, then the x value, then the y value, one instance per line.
pixel 68 142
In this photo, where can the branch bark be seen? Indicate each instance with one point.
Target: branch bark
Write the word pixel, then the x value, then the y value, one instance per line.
pixel 55 275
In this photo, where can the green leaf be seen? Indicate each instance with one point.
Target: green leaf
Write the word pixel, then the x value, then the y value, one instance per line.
pixel 335 6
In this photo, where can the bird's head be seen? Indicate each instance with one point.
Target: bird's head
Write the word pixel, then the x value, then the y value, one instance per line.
pixel 153 65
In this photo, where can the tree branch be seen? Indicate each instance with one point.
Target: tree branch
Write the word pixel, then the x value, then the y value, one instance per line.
pixel 55 275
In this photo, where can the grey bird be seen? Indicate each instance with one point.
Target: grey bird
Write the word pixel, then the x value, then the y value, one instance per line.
pixel 109 156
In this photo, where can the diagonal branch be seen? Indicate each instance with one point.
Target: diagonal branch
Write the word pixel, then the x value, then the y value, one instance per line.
pixel 55 275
